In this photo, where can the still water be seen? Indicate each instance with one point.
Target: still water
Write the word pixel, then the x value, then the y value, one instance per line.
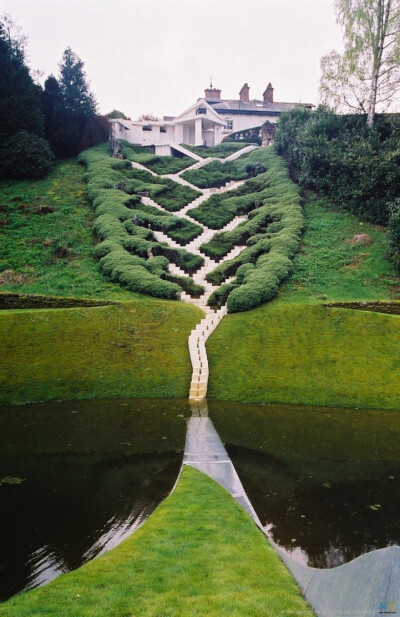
pixel 76 478
pixel 325 482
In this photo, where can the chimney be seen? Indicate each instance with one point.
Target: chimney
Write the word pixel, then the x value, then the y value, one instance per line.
pixel 212 93
pixel 269 94
pixel 244 93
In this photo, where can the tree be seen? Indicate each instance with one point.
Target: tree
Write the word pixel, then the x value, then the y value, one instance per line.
pixel 77 98
pixel 68 106
pixel 19 96
pixel 25 156
pixel 367 74
pixel 115 113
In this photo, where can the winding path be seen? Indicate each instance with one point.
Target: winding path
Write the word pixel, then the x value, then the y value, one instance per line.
pixel 198 336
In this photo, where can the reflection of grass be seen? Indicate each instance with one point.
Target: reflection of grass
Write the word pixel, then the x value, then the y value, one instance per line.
pixel 306 354
pixel 134 350
pixel 182 563
pixel 126 426
pixel 332 265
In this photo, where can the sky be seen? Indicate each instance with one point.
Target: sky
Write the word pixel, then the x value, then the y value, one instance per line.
pixel 158 56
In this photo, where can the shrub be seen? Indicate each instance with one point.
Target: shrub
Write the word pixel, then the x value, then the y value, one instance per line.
pixel 393 239
pixel 26 156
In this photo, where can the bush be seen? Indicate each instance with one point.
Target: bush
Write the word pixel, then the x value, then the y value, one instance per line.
pixel 338 156
pixel 26 156
pixel 393 239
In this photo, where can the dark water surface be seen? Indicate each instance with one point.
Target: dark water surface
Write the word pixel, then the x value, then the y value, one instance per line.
pixel 326 482
pixel 78 477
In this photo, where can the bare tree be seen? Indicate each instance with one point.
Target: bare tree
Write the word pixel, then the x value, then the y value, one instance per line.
pixel 367 74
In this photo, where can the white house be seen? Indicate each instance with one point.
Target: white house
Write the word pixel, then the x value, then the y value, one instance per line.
pixel 206 123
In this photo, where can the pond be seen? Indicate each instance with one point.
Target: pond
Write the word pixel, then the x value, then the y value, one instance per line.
pixel 325 482
pixel 78 477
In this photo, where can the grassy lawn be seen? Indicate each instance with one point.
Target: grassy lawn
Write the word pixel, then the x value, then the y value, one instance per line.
pixel 198 554
pixel 340 259
pixel 138 349
pixel 46 239
pixel 305 354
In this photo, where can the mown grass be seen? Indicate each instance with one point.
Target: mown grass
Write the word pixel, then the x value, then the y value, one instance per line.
pixel 198 554
pixel 46 240
pixel 333 265
pixel 133 350
pixel 305 354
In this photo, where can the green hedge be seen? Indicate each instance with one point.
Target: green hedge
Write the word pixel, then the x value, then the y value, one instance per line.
pixel 221 151
pixel 159 164
pixel 271 235
pixel 129 254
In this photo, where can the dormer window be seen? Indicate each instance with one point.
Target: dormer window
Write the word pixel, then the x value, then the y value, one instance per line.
pixel 201 110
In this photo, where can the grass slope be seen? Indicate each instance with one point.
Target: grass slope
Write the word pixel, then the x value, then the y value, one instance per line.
pixel 333 265
pixel 46 240
pixel 182 563
pixel 306 354
pixel 133 350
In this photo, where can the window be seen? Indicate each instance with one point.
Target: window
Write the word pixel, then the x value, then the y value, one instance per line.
pixel 147 128
pixel 201 110
pixel 229 125
pixel 163 129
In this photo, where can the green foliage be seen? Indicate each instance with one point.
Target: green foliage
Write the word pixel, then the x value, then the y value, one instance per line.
pixel 217 173
pixel 129 253
pixel 117 114
pixel 338 156
pixel 25 155
pixel 159 164
pixel 165 192
pixel 220 151
pixel 271 234
pixel 393 240
pixel 19 97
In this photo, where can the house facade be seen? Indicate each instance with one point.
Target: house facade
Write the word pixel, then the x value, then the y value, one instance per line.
pixel 207 122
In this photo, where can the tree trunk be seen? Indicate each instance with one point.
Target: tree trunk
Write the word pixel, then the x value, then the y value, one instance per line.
pixel 372 98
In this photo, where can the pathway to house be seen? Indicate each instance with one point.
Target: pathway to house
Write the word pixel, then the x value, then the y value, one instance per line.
pixel 198 336
pixel 367 586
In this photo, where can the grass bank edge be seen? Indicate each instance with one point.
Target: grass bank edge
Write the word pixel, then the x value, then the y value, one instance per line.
pixel 130 350
pixel 199 553
pixel 307 354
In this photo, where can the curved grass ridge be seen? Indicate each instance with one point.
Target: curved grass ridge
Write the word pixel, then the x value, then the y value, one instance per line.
pixel 129 253
pixel 271 235
pixel 182 563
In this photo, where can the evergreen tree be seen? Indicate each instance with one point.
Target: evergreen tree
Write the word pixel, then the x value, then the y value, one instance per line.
pixel 69 107
pixel 19 96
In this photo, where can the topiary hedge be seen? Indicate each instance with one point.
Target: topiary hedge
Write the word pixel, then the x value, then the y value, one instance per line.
pixel 271 235
pixel 129 253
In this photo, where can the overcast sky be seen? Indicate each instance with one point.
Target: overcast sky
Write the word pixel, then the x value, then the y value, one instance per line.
pixel 157 56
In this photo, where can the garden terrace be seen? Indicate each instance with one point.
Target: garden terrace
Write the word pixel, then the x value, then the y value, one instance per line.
pixel 129 253
pixel 217 173
pixel 271 236
pixel 158 164
pixel 221 151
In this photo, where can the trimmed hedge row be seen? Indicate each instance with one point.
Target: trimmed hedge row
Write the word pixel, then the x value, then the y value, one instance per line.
pixel 220 151
pixel 159 164
pixel 272 236
pixel 217 173
pixel 165 192
pixel 129 253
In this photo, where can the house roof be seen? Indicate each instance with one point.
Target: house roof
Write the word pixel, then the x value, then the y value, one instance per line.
pixel 191 113
pixel 254 107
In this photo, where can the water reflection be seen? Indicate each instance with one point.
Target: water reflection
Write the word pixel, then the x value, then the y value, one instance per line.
pixel 76 478
pixel 326 482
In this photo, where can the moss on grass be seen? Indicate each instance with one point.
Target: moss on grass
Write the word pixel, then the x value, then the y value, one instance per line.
pixel 198 554
pixel 304 354
pixel 132 350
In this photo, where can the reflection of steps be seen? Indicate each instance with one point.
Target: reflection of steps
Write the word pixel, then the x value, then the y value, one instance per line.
pixel 198 355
